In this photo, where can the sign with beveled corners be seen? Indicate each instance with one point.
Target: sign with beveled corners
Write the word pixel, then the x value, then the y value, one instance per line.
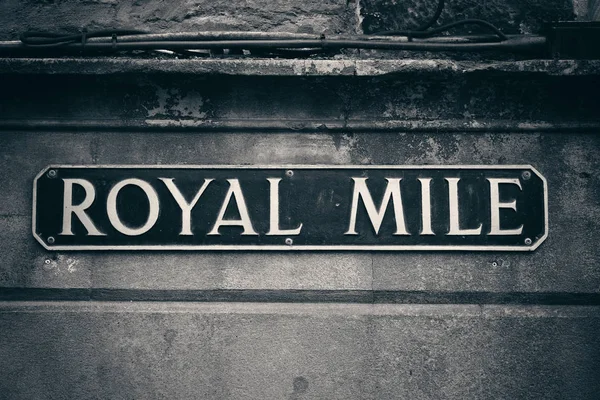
pixel 295 207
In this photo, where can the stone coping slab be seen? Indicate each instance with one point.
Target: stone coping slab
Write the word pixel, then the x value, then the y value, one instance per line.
pixel 292 67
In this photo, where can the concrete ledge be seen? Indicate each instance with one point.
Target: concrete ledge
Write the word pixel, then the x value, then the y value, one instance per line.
pixel 341 126
pixel 303 296
pixel 293 67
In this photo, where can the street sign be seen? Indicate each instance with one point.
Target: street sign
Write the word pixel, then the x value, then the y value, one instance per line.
pixel 427 207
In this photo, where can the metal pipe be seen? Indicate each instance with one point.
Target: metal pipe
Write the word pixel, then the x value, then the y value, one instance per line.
pixel 513 44
pixel 226 35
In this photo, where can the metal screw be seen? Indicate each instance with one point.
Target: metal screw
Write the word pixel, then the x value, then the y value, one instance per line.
pixel 47 261
pixel 289 241
pixel 52 174
pixel 526 175
pixel 289 173
pixel 494 264
pixel 528 241
pixel 50 239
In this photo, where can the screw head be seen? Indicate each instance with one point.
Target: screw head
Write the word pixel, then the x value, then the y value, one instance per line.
pixel 50 239
pixel 289 173
pixel 494 264
pixel 47 261
pixel 528 241
pixel 526 175
pixel 289 241
pixel 52 174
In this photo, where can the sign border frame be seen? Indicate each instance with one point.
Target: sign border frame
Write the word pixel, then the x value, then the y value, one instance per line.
pixel 284 247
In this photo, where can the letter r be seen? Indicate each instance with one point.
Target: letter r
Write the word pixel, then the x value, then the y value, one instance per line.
pixel 79 210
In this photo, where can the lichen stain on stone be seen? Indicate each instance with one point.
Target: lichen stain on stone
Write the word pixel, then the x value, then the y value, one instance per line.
pixel 60 265
pixel 346 146
pixel 404 148
pixel 411 100
pixel 301 148
pixel 174 102
pixel 322 67
pixel 447 148
pixel 370 69
pixel 492 148
pixel 356 148
pixel 437 149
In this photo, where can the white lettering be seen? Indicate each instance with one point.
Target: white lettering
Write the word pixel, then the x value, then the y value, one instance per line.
pixel 78 210
pixel 113 215
pixel 454 215
pixel 186 208
pixel 274 228
pixel 496 205
pixel 392 191
pixel 426 206
pixel 235 191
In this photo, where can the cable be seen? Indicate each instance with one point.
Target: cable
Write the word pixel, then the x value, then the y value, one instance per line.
pixel 515 43
pixel 91 39
pixel 180 42
pixel 444 28
pixel 284 44
pixel 37 38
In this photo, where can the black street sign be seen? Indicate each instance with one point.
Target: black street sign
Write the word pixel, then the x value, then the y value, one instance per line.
pixel 494 208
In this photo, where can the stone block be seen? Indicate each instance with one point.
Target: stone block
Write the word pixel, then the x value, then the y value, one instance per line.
pixel 566 262
pixel 25 264
pixel 22 157
pixel 567 162
pixel 162 350
pixel 511 16
pixel 190 15
pixel 233 271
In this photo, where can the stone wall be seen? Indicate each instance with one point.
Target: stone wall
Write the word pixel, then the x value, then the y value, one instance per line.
pixel 329 16
pixel 298 325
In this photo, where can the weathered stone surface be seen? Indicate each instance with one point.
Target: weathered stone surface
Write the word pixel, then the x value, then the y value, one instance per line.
pixel 235 148
pixel 345 110
pixel 26 265
pixel 307 16
pixel 469 98
pixel 234 271
pixel 511 16
pixel 413 116
pixel 567 262
pixel 594 10
pixel 342 66
pixel 15 161
pixel 191 15
pixel 296 351
pixel 567 162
